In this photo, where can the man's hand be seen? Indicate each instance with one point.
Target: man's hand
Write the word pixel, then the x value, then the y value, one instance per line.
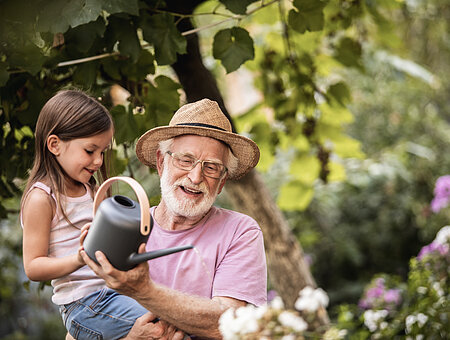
pixel 130 283
pixel 144 328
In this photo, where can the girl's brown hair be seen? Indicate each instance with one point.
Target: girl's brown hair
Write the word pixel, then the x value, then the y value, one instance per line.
pixel 70 114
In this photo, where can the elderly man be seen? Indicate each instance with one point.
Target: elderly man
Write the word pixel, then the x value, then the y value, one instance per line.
pixel 194 156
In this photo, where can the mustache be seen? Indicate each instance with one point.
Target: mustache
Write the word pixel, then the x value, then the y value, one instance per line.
pixel 186 182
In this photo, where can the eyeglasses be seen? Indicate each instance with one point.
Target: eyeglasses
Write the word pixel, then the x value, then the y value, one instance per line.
pixel 187 163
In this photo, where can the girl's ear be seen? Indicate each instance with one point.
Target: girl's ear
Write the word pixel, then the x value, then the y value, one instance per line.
pixel 54 144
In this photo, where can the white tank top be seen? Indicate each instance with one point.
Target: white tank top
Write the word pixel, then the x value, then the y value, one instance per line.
pixel 65 240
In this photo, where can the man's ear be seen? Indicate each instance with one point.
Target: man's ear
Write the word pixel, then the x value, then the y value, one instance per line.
pixel 223 181
pixel 54 144
pixel 159 162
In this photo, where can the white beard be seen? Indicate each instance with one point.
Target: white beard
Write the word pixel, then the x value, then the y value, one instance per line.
pixel 185 207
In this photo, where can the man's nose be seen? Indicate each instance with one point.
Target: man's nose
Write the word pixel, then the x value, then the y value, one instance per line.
pixel 196 174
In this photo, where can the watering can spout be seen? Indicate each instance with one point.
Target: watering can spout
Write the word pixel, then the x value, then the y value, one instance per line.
pixel 136 258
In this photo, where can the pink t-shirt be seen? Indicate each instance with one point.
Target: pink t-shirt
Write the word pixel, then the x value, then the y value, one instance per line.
pixel 228 259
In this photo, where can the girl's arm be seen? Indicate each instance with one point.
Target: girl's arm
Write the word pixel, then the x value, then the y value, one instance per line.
pixel 37 214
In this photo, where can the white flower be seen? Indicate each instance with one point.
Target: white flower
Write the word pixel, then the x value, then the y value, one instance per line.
pixel 288 337
pixel 443 235
pixel 421 319
pixel 438 289
pixel 247 319
pixel 311 299
pixel 277 303
pixel 226 325
pixel 244 320
pixel 335 334
pixel 373 317
pixel 293 321
pixel 422 290
pixel 410 320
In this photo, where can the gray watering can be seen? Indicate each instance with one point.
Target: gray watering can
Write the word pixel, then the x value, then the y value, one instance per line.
pixel 121 225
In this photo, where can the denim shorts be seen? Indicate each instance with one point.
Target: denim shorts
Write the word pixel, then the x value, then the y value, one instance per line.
pixel 101 315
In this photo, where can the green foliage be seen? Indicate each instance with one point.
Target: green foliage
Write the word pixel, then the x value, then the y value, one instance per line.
pixel 233 47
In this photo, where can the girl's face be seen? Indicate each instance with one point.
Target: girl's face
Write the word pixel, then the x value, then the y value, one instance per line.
pixel 82 157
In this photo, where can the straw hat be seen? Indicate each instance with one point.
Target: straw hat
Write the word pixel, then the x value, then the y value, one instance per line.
pixel 203 118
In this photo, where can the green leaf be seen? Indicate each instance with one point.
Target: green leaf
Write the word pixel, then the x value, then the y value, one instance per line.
pixel 295 195
pixel 122 29
pixel 138 71
pixel 58 16
pixel 118 6
pixel 82 37
pixel 305 169
pixel 126 127
pixel 348 53
pixel 86 74
pixel 160 31
pixel 343 145
pixel 237 6
pixel 337 172
pixel 233 46
pixel 161 101
pixel 308 16
pixel 267 157
pixel 29 57
pixel 340 93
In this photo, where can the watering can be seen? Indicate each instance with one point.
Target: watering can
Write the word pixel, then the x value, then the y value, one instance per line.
pixel 121 225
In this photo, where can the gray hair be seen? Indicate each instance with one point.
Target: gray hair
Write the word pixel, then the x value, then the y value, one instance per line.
pixel 231 163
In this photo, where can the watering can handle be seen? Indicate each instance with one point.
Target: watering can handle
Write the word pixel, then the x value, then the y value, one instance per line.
pixel 140 194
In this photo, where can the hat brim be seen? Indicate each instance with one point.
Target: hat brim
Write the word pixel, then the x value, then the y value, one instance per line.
pixel 243 148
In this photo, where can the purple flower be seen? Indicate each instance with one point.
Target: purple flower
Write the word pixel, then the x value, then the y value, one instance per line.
pixel 431 248
pixel 441 193
pixel 392 296
pixel 271 294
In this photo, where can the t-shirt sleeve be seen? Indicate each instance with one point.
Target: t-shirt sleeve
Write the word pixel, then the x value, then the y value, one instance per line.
pixel 242 273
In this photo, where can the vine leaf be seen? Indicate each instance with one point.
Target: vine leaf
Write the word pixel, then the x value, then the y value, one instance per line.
pixel 58 16
pixel 348 53
pixel 308 16
pixel 237 6
pixel 233 46
pixel 295 195
pixel 122 29
pixel 160 31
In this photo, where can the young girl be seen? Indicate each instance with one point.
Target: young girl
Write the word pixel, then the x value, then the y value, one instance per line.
pixel 73 132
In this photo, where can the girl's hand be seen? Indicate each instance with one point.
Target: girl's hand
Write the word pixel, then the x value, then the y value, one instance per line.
pixel 84 232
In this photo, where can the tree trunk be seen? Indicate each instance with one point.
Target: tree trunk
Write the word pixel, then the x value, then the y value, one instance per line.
pixel 288 271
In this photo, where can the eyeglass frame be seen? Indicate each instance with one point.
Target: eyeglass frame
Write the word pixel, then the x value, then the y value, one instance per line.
pixel 196 161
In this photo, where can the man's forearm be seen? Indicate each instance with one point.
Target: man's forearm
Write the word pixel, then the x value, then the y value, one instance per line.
pixel 192 314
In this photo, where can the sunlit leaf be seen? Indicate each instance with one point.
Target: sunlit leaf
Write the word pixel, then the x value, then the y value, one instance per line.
pixel 305 169
pixel 295 195
pixel 337 172
pixel 233 46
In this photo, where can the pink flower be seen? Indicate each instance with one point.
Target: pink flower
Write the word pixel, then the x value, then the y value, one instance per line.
pixel 441 193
